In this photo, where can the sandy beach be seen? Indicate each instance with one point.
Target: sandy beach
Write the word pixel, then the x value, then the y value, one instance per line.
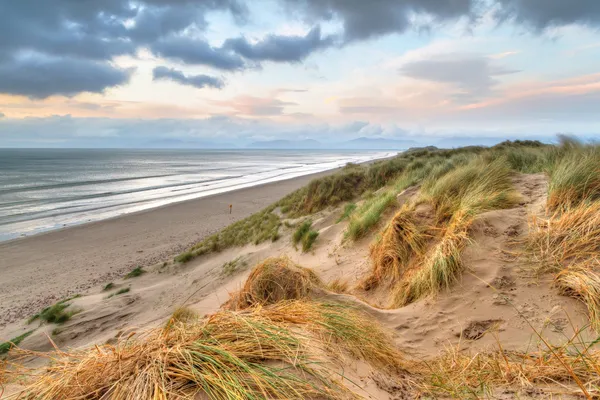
pixel 37 271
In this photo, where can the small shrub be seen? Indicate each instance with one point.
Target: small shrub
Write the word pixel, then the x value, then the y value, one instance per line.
pixel 5 347
pixel 138 271
pixel 309 239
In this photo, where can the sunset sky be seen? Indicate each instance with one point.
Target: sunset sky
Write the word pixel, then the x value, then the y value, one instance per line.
pixel 119 73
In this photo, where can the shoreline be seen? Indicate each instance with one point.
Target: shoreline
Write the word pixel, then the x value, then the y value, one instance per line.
pixel 41 269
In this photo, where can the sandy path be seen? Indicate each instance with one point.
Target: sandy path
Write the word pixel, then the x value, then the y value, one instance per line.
pixel 39 270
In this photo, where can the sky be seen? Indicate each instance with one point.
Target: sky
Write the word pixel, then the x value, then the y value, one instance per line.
pixel 227 73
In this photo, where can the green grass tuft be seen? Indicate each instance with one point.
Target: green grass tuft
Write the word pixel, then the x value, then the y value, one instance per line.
pixel 138 271
pixel 57 313
pixel 348 210
pixel 108 287
pixel 309 239
pixel 369 214
pixel 5 347
pixel 301 231
pixel 120 291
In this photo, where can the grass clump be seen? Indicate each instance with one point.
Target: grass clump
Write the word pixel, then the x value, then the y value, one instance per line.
pixel 272 352
pixel 301 231
pixel 274 280
pixel 305 235
pixel 137 271
pixel 309 239
pixel 5 347
pixel 109 286
pixel 369 214
pixel 474 188
pixel 348 210
pixel 57 313
pixel 574 176
pixel 119 292
pixel 392 253
pixel 233 266
pixel 185 257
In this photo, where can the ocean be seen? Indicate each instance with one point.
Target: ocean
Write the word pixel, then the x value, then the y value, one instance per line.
pixel 45 189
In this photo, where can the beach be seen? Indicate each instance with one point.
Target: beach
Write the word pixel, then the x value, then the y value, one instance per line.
pixel 37 271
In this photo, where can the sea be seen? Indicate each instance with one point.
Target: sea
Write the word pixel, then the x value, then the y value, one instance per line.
pixel 46 189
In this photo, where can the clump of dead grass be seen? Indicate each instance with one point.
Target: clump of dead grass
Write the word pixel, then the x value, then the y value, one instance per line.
pixel 457 374
pixel 274 280
pixel 285 351
pixel 439 268
pixel 391 254
pixel 568 244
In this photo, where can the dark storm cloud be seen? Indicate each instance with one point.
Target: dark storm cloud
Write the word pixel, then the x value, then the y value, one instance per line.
pixel 279 47
pixel 41 77
pixel 541 14
pixel 197 81
pixel 365 19
pixel 473 75
pixel 196 51
pixel 93 33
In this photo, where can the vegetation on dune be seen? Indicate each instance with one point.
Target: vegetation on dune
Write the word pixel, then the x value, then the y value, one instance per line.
pixel 305 235
pixel 5 347
pixel 348 210
pixel 57 313
pixel 392 252
pixel 574 175
pixel 274 280
pixel 108 287
pixel 119 292
pixel 567 242
pixel 265 352
pixel 232 267
pixel 369 214
pixel 456 374
pixel 256 229
pixel 137 271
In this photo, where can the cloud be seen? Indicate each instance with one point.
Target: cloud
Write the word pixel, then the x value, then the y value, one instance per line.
pixel 280 48
pixel 197 81
pixel 41 77
pixel 366 19
pixel 541 14
pixel 197 51
pixel 473 75
pixel 255 106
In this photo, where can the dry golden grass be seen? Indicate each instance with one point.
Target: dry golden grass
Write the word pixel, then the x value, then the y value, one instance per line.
pixel 275 279
pixel 339 285
pixel 391 254
pixel 568 244
pixel 568 236
pixel 456 374
pixel 582 281
pixel 439 268
pixel 285 351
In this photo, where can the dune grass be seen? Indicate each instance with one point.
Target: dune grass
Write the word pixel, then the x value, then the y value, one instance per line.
pixel 368 214
pixel 5 347
pixel 305 235
pixel 439 268
pixel 391 253
pixel 348 210
pixel 57 313
pixel 266 352
pixel 301 231
pixel 234 266
pixel 119 292
pixel 134 273
pixel 274 280
pixel 572 370
pixel 574 176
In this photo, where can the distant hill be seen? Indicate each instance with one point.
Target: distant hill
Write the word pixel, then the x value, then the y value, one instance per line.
pixel 377 144
pixel 286 144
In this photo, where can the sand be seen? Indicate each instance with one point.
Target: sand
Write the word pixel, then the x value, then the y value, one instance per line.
pixel 39 270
